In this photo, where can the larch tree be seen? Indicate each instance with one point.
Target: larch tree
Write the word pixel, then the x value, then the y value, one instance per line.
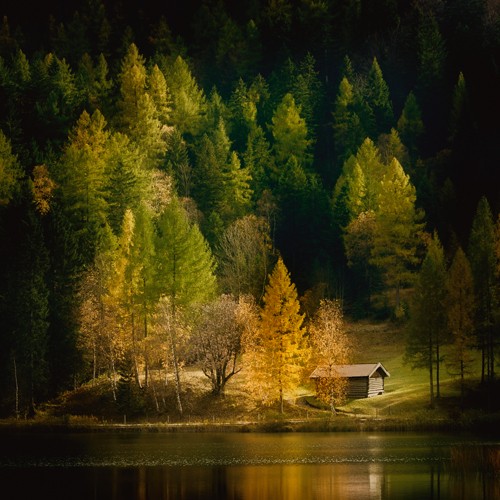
pixel 482 257
pixel 399 226
pixel 428 317
pixel 139 116
pixel 277 352
pixel 330 348
pixel 98 338
pixel 81 176
pixel 460 305
pixel 185 276
pixel 289 131
pixel 348 133
pixel 188 99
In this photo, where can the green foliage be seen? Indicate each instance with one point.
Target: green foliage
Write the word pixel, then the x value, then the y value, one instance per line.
pixel 348 133
pixel 482 261
pixel 185 263
pixel 290 132
pixel 188 100
pixel 428 315
pixel 398 229
pixel 410 125
pixel 378 99
pixel 247 117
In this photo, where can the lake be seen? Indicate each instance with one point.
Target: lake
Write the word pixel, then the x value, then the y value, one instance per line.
pixel 243 466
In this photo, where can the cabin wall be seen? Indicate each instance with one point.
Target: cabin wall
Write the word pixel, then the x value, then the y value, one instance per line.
pixel 375 386
pixel 357 388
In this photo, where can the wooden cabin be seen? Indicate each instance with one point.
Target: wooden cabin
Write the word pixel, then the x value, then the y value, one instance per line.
pixel 364 380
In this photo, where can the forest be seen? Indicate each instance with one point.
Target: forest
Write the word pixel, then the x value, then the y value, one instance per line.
pixel 219 183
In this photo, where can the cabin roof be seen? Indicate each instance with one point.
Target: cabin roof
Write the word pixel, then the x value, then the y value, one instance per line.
pixel 348 371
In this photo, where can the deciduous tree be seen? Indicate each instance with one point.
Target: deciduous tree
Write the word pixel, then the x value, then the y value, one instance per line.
pixel 330 348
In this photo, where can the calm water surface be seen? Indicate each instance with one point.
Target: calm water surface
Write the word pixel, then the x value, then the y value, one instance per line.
pixel 295 466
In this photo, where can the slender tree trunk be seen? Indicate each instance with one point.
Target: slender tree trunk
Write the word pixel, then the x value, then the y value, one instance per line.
pixel 176 371
pixel 462 383
pixel 113 377
pixel 438 392
pixel 16 383
pixel 134 353
pixel 431 377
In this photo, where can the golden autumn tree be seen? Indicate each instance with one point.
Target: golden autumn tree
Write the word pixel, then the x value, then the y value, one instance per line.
pixel 330 349
pixel 276 350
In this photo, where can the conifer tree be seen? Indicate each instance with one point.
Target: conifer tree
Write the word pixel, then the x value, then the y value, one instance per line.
pixel 188 99
pixel 378 99
pixel 290 132
pixel 398 230
pixel 185 276
pixel 460 305
pixel 81 177
pixel 428 316
pixel 410 126
pixel 348 133
pixel 482 260
pixel 277 351
pixel 139 117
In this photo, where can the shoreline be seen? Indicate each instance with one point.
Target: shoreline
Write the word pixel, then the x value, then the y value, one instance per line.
pixel 485 424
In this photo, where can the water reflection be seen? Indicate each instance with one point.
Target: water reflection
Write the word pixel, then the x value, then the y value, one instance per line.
pixel 238 466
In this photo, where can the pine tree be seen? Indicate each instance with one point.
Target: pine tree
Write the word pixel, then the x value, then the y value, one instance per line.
pixel 276 352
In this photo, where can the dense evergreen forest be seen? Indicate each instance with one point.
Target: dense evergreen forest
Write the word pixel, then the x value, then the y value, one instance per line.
pixel 170 172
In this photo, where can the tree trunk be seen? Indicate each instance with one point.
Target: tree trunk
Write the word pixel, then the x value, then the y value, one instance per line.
pixel 431 378
pixel 438 393
pixel 16 382
pixel 176 369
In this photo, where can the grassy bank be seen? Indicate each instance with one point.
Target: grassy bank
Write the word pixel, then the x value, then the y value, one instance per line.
pixel 403 407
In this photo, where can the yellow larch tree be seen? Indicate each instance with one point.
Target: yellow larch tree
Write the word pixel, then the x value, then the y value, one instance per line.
pixel 277 351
